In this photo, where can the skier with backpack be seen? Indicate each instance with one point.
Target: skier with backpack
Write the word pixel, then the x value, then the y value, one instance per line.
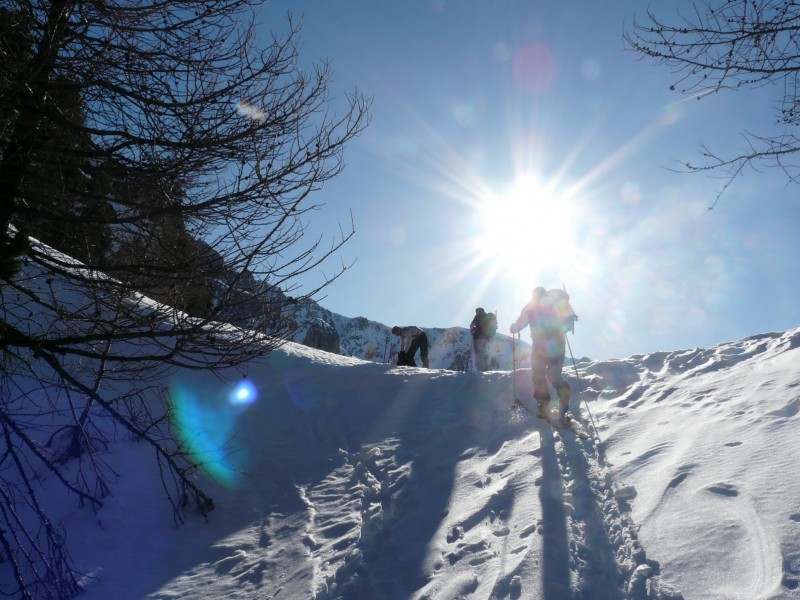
pixel 483 329
pixel 549 316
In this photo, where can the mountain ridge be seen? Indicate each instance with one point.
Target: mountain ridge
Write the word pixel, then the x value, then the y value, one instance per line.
pixel 450 347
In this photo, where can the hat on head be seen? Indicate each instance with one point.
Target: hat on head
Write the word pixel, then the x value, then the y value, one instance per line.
pixel 479 311
pixel 396 330
pixel 538 292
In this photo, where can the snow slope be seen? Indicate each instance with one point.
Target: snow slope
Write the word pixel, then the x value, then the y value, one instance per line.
pixel 362 480
pixel 709 440
pixel 338 478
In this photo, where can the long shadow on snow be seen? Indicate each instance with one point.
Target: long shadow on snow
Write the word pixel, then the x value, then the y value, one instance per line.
pixel 423 423
pixel 430 420
pixel 555 550
pixel 600 575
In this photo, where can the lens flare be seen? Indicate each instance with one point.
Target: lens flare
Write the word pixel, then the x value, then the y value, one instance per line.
pixel 205 420
pixel 535 68
pixel 591 69
pixel 248 110
pixel 244 393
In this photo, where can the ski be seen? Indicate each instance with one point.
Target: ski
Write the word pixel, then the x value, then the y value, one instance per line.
pixel 571 425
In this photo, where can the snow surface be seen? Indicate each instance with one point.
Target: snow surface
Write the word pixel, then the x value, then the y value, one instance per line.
pixel 366 480
pixel 338 478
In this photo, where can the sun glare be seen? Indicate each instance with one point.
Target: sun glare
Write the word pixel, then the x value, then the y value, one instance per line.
pixel 502 239
pixel 528 229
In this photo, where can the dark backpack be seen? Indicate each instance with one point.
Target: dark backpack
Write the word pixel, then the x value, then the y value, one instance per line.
pixel 490 324
pixel 405 360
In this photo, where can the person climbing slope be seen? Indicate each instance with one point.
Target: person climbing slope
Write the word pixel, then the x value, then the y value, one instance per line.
pixel 549 316
pixel 483 328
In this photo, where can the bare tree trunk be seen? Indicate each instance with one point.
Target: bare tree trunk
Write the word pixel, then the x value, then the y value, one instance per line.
pixel 182 225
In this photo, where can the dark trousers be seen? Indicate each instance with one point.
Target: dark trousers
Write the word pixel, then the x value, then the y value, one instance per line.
pixel 545 368
pixel 420 343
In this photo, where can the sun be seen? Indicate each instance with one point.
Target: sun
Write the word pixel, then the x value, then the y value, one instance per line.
pixel 527 230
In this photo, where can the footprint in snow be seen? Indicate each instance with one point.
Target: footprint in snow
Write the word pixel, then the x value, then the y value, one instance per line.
pixel 795 517
pixel 225 565
pixel 723 489
pixel 791 570
pixel 456 533
pixel 677 480
pixel 790 410
pixel 529 530
pixel 732 444
pixel 683 472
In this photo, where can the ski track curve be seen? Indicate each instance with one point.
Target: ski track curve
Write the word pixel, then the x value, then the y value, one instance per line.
pixel 734 512
pixel 767 572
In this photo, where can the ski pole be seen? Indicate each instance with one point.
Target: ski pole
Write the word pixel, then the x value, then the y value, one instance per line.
pixel 514 366
pixel 580 389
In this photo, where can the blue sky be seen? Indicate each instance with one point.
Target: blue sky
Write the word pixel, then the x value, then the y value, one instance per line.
pixel 515 144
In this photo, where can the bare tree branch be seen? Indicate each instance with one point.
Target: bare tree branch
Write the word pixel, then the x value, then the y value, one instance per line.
pixel 157 168
pixel 734 45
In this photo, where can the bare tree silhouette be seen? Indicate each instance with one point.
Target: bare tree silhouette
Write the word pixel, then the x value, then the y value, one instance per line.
pixel 734 45
pixel 171 156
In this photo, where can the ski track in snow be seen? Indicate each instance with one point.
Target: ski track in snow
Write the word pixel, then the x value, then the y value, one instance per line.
pixel 439 491
pixel 541 500
pixel 727 512
pixel 368 481
pixel 499 505
pixel 605 554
